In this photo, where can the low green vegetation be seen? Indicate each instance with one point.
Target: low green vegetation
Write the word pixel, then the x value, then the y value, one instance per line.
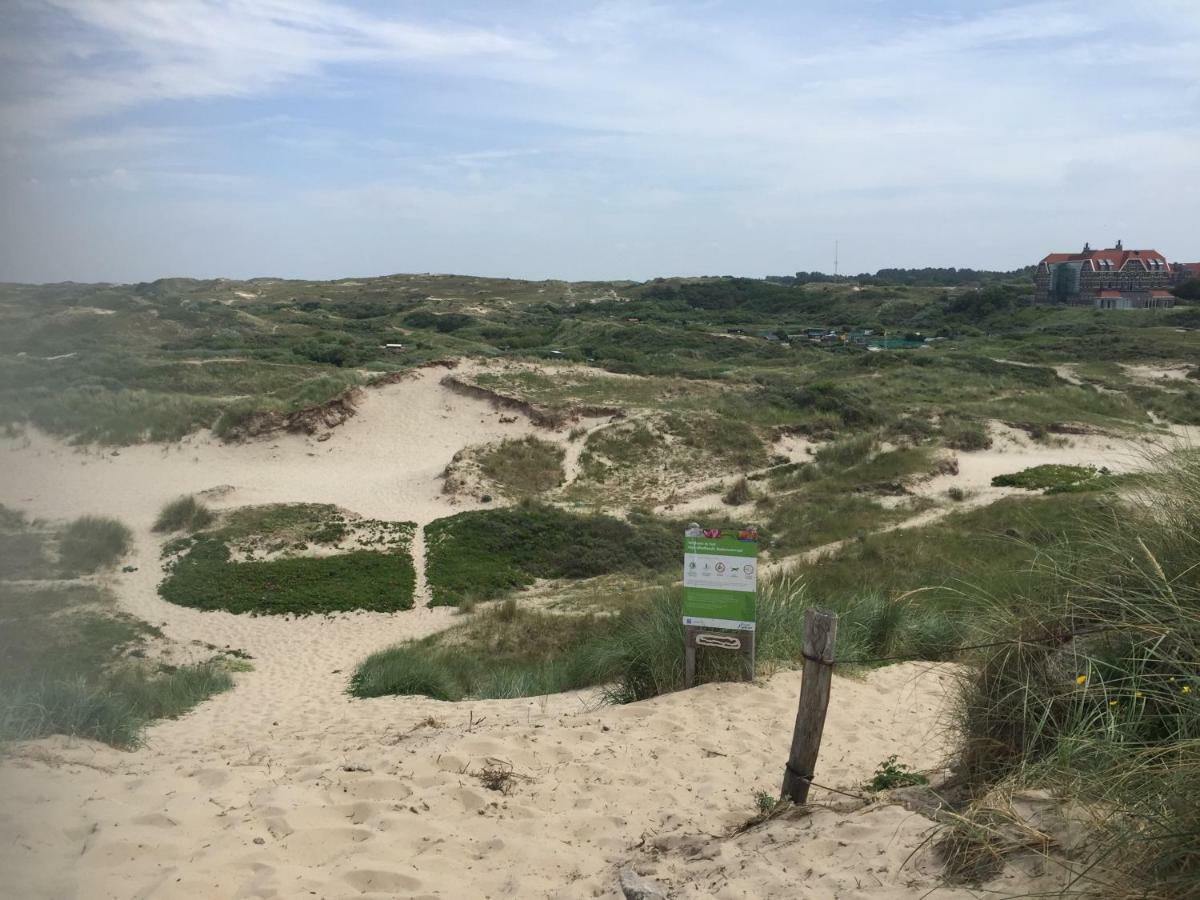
pixel 1096 697
pixel 965 435
pixel 185 514
pixel 482 555
pixel 632 651
pixel 91 543
pixel 839 494
pixel 205 577
pixel 730 356
pixel 71 663
pixel 253 561
pixel 1057 479
pixel 504 650
pixel 523 467
pixel 891 774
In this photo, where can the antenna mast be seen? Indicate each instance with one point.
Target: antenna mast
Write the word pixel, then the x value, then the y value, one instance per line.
pixel 835 258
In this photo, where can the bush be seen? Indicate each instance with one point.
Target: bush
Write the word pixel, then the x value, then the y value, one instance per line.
pixel 1056 479
pixel 206 578
pixel 185 514
pixel 848 451
pixel 485 554
pixel 738 493
pixel 93 542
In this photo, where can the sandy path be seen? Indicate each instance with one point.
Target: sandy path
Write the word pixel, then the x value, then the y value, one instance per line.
pixel 383 463
pixel 374 801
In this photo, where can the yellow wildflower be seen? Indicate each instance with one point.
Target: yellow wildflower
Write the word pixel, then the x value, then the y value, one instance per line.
pixel 1186 689
pixel 1081 679
pixel 1137 693
pixel 1112 703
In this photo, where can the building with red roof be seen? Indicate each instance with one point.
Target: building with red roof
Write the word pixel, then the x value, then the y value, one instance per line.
pixel 1114 278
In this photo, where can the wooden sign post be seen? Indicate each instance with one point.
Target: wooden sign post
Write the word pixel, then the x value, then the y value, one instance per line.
pixel 820 635
pixel 697 636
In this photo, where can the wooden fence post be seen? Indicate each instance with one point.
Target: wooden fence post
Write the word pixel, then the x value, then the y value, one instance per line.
pixel 820 634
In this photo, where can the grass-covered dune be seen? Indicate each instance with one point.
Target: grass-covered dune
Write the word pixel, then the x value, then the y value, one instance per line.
pixel 70 662
pixel 258 560
pixel 1096 697
pixel 121 364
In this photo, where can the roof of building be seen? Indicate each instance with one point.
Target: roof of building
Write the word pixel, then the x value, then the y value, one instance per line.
pixel 1161 294
pixel 1113 259
pixel 1110 294
pixel 1193 268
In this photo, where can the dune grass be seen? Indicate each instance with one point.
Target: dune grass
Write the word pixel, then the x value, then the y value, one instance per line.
pixel 91 543
pixel 67 667
pixel 184 514
pixel 633 652
pixel 524 467
pixel 1100 699
pixel 114 708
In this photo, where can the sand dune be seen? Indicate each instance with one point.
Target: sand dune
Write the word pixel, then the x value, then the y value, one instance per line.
pixel 285 787
pixel 372 798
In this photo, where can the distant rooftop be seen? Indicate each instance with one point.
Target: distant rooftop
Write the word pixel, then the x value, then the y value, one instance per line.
pixel 1112 259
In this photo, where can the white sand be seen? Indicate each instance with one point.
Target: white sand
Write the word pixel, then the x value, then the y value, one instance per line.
pixel 1147 373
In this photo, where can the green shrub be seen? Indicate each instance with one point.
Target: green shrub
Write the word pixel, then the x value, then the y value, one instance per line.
pixel 487 553
pixel 892 774
pixel 93 542
pixel 185 514
pixel 205 577
pixel 738 493
pixel 1056 479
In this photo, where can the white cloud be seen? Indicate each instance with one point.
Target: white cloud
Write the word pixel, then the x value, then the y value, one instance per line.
pixel 157 50
pixel 587 136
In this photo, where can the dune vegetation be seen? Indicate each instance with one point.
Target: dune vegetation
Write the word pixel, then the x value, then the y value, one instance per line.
pixel 1061 591
pixel 70 662
pixel 257 560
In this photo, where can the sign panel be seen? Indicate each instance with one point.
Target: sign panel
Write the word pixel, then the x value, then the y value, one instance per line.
pixel 720 578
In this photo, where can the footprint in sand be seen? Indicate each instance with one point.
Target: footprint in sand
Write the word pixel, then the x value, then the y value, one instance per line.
pixel 381 881
pixel 321 846
pixel 382 790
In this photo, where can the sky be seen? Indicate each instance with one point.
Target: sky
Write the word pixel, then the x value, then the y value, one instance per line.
pixel 589 140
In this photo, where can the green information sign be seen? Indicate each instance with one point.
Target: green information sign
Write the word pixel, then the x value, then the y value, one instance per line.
pixel 720 578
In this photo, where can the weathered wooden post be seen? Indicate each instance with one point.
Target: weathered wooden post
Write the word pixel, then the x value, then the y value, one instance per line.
pixel 820 634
